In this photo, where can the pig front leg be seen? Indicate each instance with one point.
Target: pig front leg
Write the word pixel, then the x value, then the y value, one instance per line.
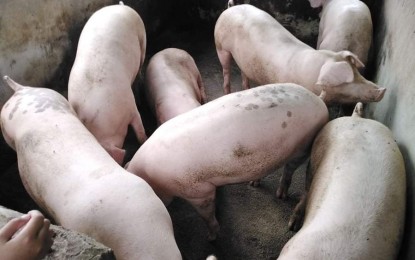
pixel 225 58
pixel 296 219
pixel 245 81
pixel 206 208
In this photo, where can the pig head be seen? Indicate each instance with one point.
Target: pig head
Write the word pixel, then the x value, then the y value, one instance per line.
pixel 339 81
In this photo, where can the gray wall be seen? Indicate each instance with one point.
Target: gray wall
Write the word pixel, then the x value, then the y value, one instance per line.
pixel 395 70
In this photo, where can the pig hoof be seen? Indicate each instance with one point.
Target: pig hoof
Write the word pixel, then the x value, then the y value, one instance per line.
pixel 211 237
pixel 281 193
pixel 255 183
pixel 295 223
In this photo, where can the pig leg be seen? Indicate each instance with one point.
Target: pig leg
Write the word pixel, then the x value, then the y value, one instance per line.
pixel 289 169
pixel 206 208
pixel 203 97
pixel 225 59
pixel 296 219
pixel 138 127
pixel 117 153
pixel 245 81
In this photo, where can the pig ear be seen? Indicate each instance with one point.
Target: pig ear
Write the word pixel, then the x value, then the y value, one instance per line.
pixel 316 3
pixel 350 56
pixel 335 73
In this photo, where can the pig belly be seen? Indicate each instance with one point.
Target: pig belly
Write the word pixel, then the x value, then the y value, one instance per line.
pixel 356 201
pixel 236 138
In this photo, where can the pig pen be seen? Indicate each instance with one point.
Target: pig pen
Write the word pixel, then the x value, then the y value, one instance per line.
pixel 254 224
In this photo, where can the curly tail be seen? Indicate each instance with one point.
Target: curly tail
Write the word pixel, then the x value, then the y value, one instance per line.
pixel 11 83
pixel 358 110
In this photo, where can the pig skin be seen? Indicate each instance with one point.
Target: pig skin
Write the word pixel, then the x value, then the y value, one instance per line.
pixel 355 207
pixel 72 178
pixel 345 25
pixel 267 53
pixel 255 132
pixel 110 52
pixel 173 84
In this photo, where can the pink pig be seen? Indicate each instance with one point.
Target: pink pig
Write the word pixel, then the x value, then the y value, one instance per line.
pixel 111 50
pixel 173 84
pixel 193 153
pixel 345 25
pixel 267 53
pixel 355 207
pixel 72 178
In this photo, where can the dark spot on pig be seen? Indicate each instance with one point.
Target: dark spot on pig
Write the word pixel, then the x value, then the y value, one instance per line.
pixel 296 97
pixel 280 100
pixel 237 105
pixel 256 94
pixel 284 124
pixel 289 113
pixel 274 91
pixel 24 112
pixel 286 94
pixel 266 99
pixel 273 105
pixel 262 91
pixel 241 151
pixel 251 106
pixel 7 105
pixel 239 95
pixel 282 90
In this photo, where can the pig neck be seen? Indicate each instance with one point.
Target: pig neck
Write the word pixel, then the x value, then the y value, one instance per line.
pixel 306 69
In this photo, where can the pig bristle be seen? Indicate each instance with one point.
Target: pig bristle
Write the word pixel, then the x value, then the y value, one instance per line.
pixel 11 83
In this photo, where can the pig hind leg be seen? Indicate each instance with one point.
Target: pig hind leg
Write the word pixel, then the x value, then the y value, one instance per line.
pixel 225 58
pixel 206 208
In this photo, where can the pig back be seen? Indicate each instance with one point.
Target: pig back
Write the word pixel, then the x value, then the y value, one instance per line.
pixel 236 137
pixel 111 49
pixel 357 196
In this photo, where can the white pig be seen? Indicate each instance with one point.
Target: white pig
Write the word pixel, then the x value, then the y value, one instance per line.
pixel 173 84
pixel 111 50
pixel 74 180
pixel 356 203
pixel 267 53
pixel 345 25
pixel 232 139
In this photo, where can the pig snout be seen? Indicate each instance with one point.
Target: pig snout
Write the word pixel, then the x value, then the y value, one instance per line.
pixel 379 93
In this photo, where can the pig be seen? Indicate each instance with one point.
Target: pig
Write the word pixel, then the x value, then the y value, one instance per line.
pixel 173 84
pixel 193 153
pixel 110 52
pixel 345 25
pixel 72 178
pixel 356 202
pixel 267 53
